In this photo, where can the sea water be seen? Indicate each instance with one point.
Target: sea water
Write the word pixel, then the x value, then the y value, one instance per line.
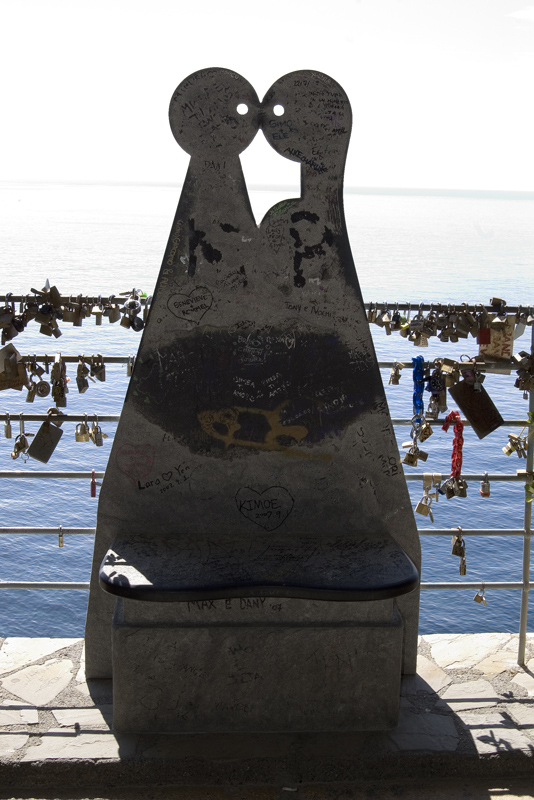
pixel 96 239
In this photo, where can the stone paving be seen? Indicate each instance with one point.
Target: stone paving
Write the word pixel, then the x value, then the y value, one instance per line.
pixel 469 698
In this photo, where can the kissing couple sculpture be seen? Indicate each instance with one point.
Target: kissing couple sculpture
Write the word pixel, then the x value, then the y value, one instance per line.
pixel 256 384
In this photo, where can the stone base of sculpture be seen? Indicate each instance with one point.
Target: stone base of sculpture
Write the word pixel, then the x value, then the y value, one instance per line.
pixel 256 664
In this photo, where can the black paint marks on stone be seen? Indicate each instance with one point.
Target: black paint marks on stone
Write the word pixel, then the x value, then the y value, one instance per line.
pixel 196 238
pixel 227 228
pixel 308 251
pixel 227 394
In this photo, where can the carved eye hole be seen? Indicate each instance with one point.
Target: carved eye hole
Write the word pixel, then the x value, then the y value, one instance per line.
pixel 242 108
pixel 278 110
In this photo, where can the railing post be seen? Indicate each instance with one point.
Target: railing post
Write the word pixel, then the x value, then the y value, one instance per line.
pixel 527 534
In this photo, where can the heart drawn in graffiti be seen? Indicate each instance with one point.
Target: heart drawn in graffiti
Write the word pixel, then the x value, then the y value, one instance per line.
pixel 166 475
pixel 135 460
pixel 268 509
pixel 192 306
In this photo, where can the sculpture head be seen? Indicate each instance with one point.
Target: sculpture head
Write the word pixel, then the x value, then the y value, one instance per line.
pixel 307 118
pixel 214 111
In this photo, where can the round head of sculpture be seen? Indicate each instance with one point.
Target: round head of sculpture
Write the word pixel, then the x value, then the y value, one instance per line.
pixel 307 118
pixel 214 111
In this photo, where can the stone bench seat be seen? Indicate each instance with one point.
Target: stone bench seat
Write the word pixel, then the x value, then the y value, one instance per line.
pixel 175 569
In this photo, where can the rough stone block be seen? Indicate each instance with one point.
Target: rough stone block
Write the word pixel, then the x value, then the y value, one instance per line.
pixel 233 677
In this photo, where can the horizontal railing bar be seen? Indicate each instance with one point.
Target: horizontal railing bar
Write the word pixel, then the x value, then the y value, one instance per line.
pixel 490 476
pixel 47 531
pixel 477 585
pixel 50 475
pixel 27 359
pixel 115 418
pixel 426 586
pixel 43 585
pixel 64 418
pixel 68 475
pixel 465 532
pixel 466 423
pixel 422 531
pixel 407 362
pixel 20 531
pixel 403 305
pixel 94 299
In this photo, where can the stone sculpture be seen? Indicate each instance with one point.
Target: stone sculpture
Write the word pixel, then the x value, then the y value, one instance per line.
pixel 255 537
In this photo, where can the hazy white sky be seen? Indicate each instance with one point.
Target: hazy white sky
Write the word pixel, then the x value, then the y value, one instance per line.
pixel 441 91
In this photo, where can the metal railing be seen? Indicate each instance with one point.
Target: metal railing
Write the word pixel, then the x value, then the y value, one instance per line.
pixel 520 476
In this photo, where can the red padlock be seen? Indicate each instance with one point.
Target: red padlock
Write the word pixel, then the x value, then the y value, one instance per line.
pixel 94 484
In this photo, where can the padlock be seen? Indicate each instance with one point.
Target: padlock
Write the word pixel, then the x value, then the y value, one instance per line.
pixel 94 484
pixel 125 321
pixel 137 324
pixel 98 368
pixel 69 314
pixel 449 489
pixel 112 311
pixel 81 376
pixel 96 434
pixel 385 320
pixel 394 375
pixel 42 389
pixel 45 441
pixel 422 507
pixel 371 314
pixel 425 431
pixel 460 488
pixel 82 433
pixel 82 383
pixel 44 313
pixel 410 459
pixel 7 428
pixel 485 486
pixel 58 394
pixel 463 567
pixel 32 388
pixel 396 320
pixel 513 444
pixel 21 442
pixel 479 597
pixel 448 365
pixel 458 546
pixel 130 366
pixel 432 411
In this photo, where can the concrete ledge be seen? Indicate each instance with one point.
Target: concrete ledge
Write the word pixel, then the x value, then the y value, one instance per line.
pixel 468 713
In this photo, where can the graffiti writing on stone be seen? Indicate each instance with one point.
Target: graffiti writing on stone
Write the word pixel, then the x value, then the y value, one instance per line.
pixel 229 393
pixel 135 460
pixel 192 306
pixel 268 509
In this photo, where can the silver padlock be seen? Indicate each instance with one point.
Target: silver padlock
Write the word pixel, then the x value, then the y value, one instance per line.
pixel 96 433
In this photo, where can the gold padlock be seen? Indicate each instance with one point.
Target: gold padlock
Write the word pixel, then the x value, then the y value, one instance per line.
pixel 425 431
pixel 82 432
pixel 410 459
pixel 422 507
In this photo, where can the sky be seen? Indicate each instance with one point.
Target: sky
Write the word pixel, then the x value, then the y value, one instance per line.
pixel 441 90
